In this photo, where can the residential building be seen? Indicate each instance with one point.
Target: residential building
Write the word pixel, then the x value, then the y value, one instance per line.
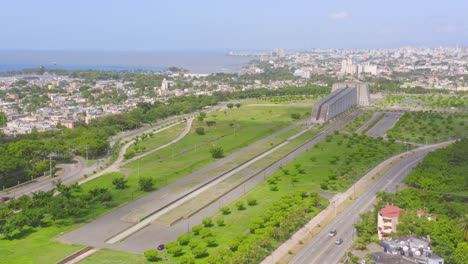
pixel 387 220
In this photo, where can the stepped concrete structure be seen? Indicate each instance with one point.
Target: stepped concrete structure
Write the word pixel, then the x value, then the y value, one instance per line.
pixel 343 97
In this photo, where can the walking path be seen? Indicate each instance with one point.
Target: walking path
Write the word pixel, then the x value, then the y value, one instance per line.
pixel 114 167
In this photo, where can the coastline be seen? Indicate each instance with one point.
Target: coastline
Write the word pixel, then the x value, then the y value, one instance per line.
pixel 196 62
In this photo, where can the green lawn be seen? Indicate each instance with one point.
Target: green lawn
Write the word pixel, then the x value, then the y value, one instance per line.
pixel 429 127
pixel 234 129
pixel 151 140
pixel 109 256
pixel 31 246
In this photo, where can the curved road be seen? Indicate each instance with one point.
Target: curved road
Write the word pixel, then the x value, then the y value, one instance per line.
pixel 322 248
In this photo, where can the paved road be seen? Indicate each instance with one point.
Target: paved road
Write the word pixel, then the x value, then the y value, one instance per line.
pixel 384 124
pixel 322 248
pixel 369 122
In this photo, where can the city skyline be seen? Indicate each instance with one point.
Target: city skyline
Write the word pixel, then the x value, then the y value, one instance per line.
pixel 209 25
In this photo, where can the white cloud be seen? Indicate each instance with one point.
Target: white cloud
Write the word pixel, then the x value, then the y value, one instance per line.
pixel 340 15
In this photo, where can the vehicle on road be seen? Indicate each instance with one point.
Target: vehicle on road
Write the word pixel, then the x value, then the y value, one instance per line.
pixel 160 247
pixel 338 241
pixel 332 233
pixel 4 199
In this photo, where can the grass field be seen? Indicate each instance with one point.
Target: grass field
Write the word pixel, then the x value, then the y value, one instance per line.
pixel 149 141
pixel 429 127
pixel 30 248
pixel 234 129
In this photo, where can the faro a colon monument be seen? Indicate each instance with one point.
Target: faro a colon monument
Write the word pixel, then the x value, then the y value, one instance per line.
pixel 343 97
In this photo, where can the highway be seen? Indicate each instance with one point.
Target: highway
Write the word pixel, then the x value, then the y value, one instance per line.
pixel 322 248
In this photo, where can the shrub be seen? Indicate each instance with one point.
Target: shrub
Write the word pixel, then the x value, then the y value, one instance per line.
pixel 220 221
pixel 146 184
pixel 225 210
pixel 233 245
pixel 210 123
pixel 252 201
pixel 175 250
pixel 211 242
pixel 184 239
pixel 120 183
pixel 217 152
pixel 274 187
pixel 151 255
pixel 200 251
pixel 240 205
pixel 207 222
pixel 205 232
pixel 200 131
pixel 196 229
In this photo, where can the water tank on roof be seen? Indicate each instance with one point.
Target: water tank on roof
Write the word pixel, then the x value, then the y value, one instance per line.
pixel 405 248
pixel 417 253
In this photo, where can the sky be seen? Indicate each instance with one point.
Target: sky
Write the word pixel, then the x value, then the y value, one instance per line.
pixel 177 25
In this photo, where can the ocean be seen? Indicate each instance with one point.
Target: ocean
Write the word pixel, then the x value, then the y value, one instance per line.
pixel 195 62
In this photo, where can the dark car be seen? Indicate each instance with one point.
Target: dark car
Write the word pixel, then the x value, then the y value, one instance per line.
pixel 160 247
pixel 332 233
pixel 4 199
pixel 338 241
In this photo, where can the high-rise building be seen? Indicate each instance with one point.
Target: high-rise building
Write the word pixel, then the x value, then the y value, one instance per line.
pixel 281 53
pixel 165 85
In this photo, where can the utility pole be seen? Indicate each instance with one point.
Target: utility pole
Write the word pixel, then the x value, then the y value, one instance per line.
pixel 86 147
pixel 50 164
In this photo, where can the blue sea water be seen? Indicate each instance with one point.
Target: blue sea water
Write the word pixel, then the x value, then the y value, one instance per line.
pixel 195 62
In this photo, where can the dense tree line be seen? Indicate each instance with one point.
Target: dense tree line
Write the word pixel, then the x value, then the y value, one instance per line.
pixel 438 185
pixel 19 215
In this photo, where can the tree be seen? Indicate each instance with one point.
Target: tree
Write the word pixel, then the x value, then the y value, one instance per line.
pixel 230 105
pixel 207 222
pixel 238 105
pixel 233 245
pixel 3 119
pixel 210 123
pixel 211 242
pixel 174 249
pixel 196 229
pixel 184 239
pixel 240 205
pixel 296 116
pixel 200 251
pixel 220 221
pixel 200 130
pixel 217 152
pixel 151 255
pixel 146 184
pixel 225 210
pixel 205 232
pixel 460 256
pixel 252 201
pixel 120 183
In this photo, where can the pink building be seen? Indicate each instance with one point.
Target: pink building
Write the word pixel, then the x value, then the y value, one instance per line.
pixel 387 220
